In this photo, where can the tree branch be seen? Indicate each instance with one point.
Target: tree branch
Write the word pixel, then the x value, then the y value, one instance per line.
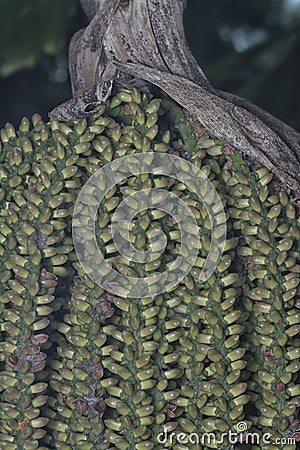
pixel 134 43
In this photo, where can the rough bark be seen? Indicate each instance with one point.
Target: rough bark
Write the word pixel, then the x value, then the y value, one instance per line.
pixel 134 43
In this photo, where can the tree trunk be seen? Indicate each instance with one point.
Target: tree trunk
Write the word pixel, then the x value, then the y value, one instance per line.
pixel 131 42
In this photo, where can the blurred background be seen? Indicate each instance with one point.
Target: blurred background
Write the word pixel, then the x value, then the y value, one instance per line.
pixel 251 48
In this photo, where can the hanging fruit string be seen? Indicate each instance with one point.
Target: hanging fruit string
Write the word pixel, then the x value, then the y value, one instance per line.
pixel 82 368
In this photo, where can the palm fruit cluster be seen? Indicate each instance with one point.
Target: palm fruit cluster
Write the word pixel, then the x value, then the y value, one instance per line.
pixel 82 368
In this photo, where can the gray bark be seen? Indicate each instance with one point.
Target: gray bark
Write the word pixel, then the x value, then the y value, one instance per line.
pixel 134 43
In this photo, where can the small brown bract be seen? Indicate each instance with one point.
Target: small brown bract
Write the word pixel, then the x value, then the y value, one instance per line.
pixel 31 356
pixel 104 309
pixel 170 411
pixel 280 388
pixel 94 402
pixel 24 423
pixel 82 406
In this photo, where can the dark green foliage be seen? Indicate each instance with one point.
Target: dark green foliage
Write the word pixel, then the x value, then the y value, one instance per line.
pixel 30 29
